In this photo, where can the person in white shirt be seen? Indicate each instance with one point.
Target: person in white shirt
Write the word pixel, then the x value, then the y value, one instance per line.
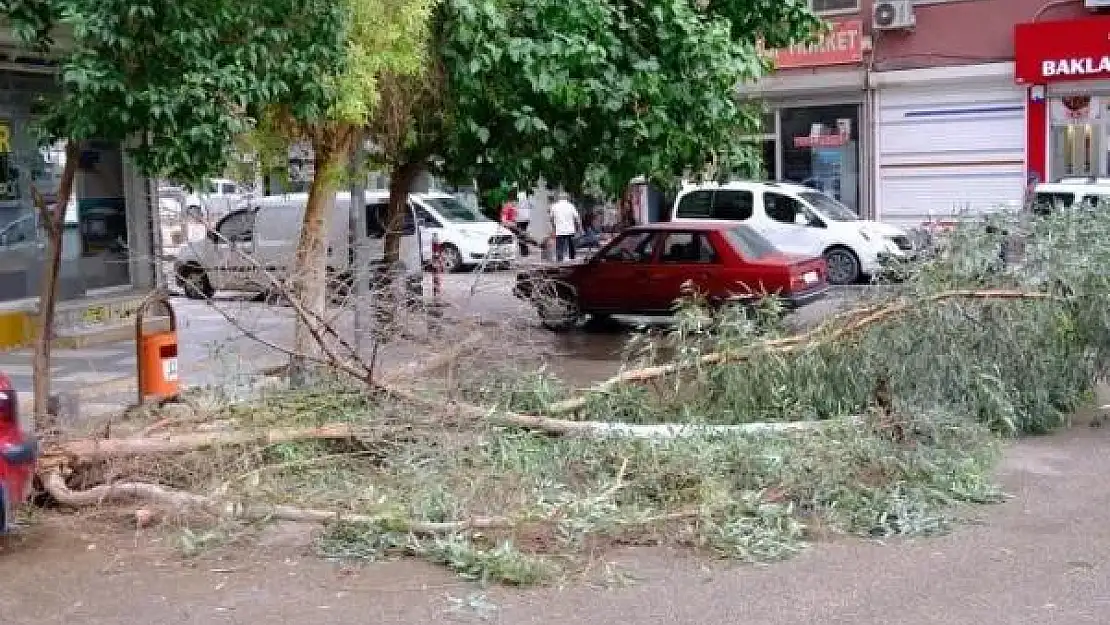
pixel 523 217
pixel 565 223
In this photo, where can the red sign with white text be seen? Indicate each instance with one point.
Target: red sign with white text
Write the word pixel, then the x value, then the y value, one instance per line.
pixel 1046 52
pixel 843 45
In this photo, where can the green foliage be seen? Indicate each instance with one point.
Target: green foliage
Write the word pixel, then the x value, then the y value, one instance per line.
pixel 598 92
pixel 503 564
pixel 184 77
pixel 1019 366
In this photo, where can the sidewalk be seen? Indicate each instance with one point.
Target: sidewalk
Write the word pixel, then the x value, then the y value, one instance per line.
pixel 211 352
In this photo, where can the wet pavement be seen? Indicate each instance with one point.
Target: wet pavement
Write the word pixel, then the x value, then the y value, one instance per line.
pixel 1041 558
pixel 218 353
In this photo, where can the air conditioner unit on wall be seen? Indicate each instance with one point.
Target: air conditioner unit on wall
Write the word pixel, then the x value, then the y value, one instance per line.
pixel 893 15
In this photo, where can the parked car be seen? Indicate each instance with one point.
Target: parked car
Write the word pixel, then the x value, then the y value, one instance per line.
pixel 801 220
pixel 468 237
pixel 18 455
pixel 645 269
pixel 267 230
pixel 217 198
pixel 1069 192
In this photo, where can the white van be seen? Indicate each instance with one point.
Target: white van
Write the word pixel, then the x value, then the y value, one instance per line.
pixel 267 230
pixel 1071 192
pixel 801 220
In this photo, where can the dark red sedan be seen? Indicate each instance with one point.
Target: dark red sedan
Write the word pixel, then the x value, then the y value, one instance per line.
pixel 643 271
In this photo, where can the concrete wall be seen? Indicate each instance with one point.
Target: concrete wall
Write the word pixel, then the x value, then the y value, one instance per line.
pixel 962 32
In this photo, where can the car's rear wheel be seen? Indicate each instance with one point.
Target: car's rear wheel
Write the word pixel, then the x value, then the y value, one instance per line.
pixel 843 266
pixel 452 258
pixel 559 312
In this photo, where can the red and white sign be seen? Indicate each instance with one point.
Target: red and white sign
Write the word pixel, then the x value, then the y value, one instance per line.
pixel 843 45
pixel 820 141
pixel 1046 52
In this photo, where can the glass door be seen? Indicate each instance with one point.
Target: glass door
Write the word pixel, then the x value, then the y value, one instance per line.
pixel 821 150
pixel 1076 151
pixel 1078 137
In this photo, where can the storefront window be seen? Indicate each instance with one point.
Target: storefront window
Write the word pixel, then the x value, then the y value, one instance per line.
pixel 102 214
pixel 95 244
pixel 820 149
pixel 1078 139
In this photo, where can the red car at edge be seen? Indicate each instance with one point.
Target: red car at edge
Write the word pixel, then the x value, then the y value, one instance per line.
pixel 643 271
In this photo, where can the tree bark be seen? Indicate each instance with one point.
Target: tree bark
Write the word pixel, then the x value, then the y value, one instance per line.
pixel 310 264
pixel 400 181
pixel 841 326
pixel 87 449
pixel 54 223
pixel 56 486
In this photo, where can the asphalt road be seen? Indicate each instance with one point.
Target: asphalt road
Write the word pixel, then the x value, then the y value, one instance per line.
pixel 1042 558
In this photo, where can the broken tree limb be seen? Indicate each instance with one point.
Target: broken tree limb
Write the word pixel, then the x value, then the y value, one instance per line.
pixel 99 449
pixel 602 429
pixel 663 431
pixel 824 334
pixel 56 486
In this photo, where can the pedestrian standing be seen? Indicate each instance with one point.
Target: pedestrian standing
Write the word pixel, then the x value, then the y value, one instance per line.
pixel 565 224
pixel 509 212
pixel 523 218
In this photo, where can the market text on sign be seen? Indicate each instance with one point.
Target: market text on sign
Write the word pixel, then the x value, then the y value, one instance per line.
pixel 843 44
pixel 839 41
pixel 1076 67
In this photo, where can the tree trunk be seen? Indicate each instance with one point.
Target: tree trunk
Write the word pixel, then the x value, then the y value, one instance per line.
pixel 400 181
pixel 54 223
pixel 310 264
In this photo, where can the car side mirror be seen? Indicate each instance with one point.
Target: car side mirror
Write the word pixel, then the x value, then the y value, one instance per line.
pixel 214 237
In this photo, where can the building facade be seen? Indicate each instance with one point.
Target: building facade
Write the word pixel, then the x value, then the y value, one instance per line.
pixel 950 123
pixel 108 263
pixel 912 111
pixel 1063 69
pixel 816 108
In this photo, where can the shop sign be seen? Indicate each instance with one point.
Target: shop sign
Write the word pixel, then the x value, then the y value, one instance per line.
pixel 1047 52
pixel 821 136
pixel 842 45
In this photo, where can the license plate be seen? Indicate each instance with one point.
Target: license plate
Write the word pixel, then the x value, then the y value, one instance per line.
pixel 810 277
pixel 501 252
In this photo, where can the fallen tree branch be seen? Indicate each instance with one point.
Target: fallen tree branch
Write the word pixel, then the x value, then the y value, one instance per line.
pixel 662 431
pixel 57 488
pixel 817 337
pixel 85 450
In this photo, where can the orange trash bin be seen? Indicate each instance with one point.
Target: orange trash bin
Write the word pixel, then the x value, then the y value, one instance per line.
pixel 156 355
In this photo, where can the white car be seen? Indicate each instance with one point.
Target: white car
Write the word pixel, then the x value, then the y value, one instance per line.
pixel 217 199
pixel 468 237
pixel 1069 192
pixel 800 220
pixel 260 237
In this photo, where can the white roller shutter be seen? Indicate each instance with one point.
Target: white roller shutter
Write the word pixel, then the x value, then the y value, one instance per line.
pixel 947 148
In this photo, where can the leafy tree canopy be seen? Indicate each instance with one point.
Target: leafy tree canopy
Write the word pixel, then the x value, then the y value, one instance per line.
pixel 600 91
pixel 182 77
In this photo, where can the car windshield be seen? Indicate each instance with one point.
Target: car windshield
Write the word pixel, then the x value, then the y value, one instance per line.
pixel 828 207
pixel 750 244
pixel 453 210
